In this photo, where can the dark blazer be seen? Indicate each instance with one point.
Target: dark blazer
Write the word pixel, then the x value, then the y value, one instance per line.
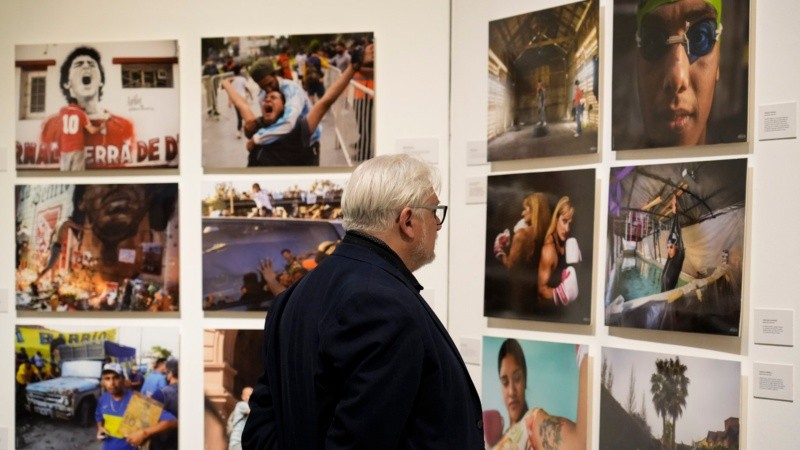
pixel 356 359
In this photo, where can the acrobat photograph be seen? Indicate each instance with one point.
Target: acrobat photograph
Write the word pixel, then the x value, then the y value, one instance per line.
pixel 676 246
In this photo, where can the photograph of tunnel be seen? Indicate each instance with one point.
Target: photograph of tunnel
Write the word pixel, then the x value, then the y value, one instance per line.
pixel 544 83
pixel 539 246
pixel 676 246
pixel 691 94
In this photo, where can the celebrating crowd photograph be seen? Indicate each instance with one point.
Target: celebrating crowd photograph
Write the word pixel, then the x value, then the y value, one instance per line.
pixel 289 100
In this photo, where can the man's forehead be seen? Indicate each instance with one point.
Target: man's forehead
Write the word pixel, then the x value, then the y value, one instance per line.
pixel 83 59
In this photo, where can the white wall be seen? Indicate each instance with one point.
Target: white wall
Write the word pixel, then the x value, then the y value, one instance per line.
pixel 412 39
pixel 771 249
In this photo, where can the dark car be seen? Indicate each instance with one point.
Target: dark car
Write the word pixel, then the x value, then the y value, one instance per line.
pixel 234 247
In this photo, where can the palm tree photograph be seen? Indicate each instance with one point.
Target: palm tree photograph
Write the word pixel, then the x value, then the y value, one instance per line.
pixel 659 401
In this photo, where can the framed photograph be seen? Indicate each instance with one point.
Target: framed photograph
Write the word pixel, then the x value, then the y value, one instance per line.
pixel 676 246
pixel 230 377
pixel 539 246
pixel 69 379
pixel 90 106
pixel 97 247
pixel 535 394
pixel 260 237
pixel 544 83
pixel 680 73
pixel 288 100
pixel 658 400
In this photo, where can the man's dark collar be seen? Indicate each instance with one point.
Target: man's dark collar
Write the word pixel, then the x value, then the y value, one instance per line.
pixel 382 249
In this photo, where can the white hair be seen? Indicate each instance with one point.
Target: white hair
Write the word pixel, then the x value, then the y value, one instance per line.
pixel 381 187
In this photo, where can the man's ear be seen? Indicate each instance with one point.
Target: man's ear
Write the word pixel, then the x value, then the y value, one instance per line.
pixel 405 222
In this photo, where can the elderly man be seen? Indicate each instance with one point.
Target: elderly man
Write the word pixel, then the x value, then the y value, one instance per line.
pixel 355 357
pixel 677 68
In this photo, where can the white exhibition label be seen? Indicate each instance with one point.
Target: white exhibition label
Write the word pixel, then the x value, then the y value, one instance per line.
pixel 774 327
pixel 476 153
pixel 777 121
pixel 470 350
pixel 476 190
pixel 773 381
pixel 425 149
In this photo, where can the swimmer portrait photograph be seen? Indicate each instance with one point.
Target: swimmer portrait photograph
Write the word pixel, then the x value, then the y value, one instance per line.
pixel 261 236
pixel 535 394
pixel 288 100
pixel 539 246
pixel 675 254
pixel 92 106
pixel 97 247
pixel 681 73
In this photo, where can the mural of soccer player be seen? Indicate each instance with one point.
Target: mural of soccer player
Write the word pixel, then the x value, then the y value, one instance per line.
pixel 81 82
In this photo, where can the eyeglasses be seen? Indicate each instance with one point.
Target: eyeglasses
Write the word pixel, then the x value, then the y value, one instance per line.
pixel 439 211
pixel 698 40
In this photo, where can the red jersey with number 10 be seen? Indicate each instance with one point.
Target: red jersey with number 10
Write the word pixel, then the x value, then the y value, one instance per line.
pixel 73 124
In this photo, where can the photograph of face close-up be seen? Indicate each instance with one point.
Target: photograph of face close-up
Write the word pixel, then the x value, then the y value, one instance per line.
pixel 544 83
pixel 97 247
pixel 676 236
pixel 97 106
pixel 535 395
pixel 690 82
pixel 288 100
pixel 539 246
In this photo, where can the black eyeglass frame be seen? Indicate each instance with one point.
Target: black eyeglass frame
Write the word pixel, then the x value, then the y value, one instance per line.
pixel 434 209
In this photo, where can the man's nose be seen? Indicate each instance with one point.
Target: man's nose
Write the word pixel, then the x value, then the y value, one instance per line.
pixel 676 67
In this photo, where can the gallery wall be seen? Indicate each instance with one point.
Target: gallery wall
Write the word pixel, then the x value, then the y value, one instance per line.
pixel 433 83
pixel 413 62
pixel 770 248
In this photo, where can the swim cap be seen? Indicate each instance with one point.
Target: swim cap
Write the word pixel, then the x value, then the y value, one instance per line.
pixel 646 6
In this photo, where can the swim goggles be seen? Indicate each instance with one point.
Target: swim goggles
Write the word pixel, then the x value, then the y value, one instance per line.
pixel 698 39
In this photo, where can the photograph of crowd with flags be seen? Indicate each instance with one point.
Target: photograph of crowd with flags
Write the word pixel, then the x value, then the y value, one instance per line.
pixel 288 100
